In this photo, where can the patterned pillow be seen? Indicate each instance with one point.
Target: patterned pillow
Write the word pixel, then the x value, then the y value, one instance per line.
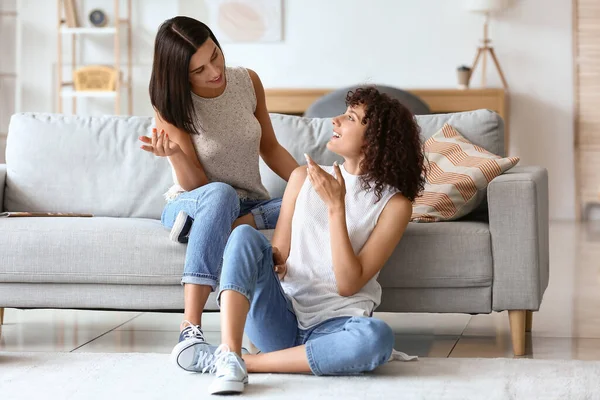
pixel 458 172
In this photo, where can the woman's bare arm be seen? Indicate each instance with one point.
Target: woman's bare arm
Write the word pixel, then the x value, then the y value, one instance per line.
pixel 188 169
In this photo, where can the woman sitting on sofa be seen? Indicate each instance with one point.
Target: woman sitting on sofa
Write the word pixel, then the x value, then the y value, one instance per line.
pixel 306 300
pixel 212 124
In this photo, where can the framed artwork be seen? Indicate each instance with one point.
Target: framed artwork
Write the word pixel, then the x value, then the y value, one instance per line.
pixel 246 21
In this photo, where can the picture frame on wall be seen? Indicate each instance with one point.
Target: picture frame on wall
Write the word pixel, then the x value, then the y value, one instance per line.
pixel 246 21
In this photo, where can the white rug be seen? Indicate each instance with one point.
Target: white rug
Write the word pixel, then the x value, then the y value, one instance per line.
pixel 149 376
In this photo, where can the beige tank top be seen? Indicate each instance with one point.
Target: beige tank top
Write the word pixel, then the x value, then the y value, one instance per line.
pixel 229 140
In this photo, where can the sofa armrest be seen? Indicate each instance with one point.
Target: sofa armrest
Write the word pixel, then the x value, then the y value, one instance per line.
pixel 2 185
pixel 518 217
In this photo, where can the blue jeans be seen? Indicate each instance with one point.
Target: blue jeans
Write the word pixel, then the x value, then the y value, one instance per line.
pixel 214 207
pixel 339 346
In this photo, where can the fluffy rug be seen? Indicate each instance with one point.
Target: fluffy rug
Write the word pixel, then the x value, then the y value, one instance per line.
pixel 150 376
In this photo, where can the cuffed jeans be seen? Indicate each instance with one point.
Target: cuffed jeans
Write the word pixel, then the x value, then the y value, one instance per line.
pixel 214 208
pixel 339 346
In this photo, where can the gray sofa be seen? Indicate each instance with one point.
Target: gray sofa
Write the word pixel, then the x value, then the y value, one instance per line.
pixel 494 260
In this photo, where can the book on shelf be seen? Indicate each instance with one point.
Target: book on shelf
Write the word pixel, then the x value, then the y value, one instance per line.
pixel 14 214
pixel 70 13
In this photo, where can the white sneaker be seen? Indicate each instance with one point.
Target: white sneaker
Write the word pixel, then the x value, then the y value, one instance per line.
pixel 230 372
pixel 181 228
pixel 193 353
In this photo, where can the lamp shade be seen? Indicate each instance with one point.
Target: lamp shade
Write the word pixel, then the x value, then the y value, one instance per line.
pixel 485 6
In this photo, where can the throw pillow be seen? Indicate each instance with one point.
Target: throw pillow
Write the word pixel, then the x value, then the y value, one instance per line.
pixel 458 173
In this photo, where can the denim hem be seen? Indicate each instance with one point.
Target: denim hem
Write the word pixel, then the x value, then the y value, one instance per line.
pixel 200 279
pixel 259 219
pixel 311 360
pixel 235 288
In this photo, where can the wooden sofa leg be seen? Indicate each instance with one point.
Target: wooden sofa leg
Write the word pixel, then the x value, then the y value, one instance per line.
pixel 517 320
pixel 1 316
pixel 529 321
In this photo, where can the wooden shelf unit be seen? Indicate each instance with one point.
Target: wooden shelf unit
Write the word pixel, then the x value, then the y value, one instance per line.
pixel 65 89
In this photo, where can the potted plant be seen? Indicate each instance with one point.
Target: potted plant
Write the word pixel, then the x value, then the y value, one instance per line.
pixel 464 75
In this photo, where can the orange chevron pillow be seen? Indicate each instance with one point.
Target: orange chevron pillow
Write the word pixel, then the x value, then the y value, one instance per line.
pixel 458 173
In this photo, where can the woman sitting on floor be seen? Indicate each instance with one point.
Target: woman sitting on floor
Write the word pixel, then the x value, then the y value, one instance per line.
pixel 306 300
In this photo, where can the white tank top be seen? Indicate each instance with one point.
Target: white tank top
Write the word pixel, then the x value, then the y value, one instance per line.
pixel 229 140
pixel 310 281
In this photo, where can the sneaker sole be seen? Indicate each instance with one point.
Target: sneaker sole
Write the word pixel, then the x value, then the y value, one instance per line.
pixel 183 353
pixel 228 387
pixel 181 223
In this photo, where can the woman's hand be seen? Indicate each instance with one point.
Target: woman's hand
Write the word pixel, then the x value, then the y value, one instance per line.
pixel 159 144
pixel 279 262
pixel 331 190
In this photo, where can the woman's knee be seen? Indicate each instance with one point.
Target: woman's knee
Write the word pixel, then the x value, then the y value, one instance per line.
pixel 245 236
pixel 219 196
pixel 377 340
pixel 243 259
pixel 219 191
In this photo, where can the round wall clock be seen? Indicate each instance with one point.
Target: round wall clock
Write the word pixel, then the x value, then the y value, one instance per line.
pixel 98 18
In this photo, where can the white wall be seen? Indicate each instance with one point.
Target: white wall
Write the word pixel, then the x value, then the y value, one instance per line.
pixel 333 43
pixel 7 66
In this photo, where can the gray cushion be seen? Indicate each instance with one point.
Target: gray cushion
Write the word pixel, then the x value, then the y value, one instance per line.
pixel 301 135
pixel 137 252
pixel 59 163
pixel 89 250
pixel 484 128
pixel 444 254
pixel 439 255
pixel 83 164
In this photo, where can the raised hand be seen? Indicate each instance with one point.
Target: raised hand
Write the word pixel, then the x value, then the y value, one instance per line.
pixel 332 190
pixel 159 144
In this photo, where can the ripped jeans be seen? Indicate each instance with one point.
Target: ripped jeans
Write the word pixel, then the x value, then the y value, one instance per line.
pixel 337 346
pixel 214 208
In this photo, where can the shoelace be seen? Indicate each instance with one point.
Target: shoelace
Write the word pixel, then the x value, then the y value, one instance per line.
pixel 192 331
pixel 206 359
pixel 224 358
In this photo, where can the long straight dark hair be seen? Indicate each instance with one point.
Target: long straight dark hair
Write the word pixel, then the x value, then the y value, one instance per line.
pixel 170 91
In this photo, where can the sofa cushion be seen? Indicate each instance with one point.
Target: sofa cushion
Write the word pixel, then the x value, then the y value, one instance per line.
pixel 89 250
pixel 67 163
pixel 458 174
pixel 299 135
pixel 310 135
pixel 483 128
pixel 441 254
pixel 70 163
pixel 133 251
pixel 436 255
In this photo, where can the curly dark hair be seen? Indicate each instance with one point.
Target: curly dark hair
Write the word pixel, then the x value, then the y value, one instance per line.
pixel 393 151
